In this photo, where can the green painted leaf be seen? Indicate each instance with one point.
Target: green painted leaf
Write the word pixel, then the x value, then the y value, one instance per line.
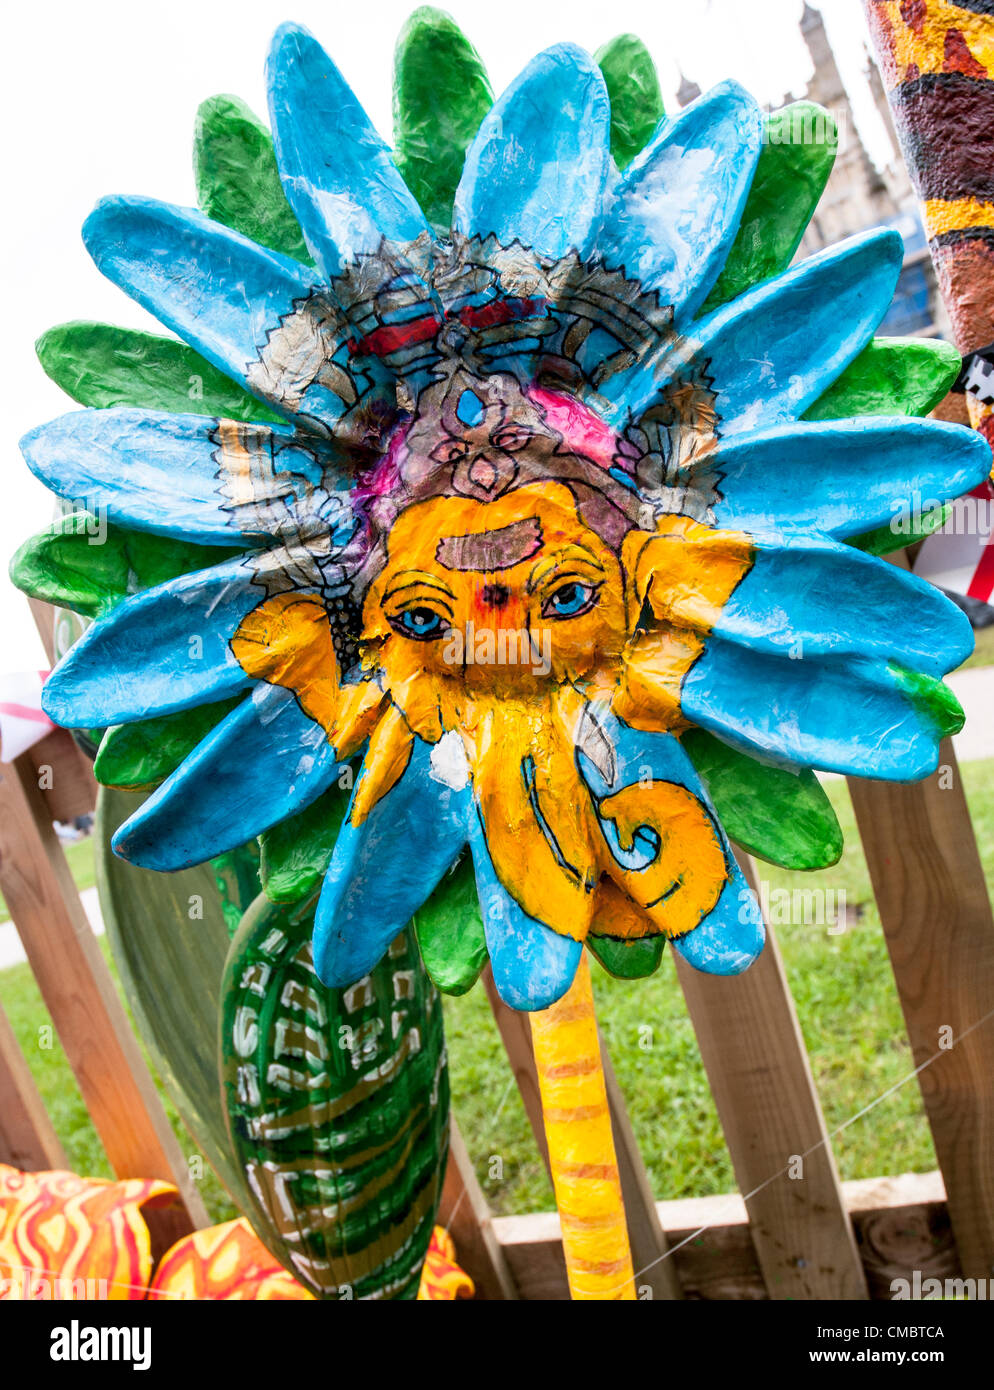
pixel 628 960
pixel 101 365
pixel 794 164
pixel 778 815
pixel 89 566
pixel 441 93
pixel 139 756
pixel 882 540
pixel 449 931
pixel 338 1106
pixel 296 853
pixel 891 376
pixel 932 698
pixel 238 182
pixel 170 964
pixel 636 101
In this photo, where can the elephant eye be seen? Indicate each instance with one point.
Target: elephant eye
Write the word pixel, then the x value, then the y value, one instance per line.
pixel 420 623
pixel 569 600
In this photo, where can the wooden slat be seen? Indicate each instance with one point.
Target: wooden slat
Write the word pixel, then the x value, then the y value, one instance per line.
pixel 516 1035
pixel 655 1275
pixel 68 785
pixel 753 1050
pixel 901 1225
pixel 44 616
pixel 74 788
pixel 27 1138
pixel 934 905
pixel 465 1214
pixel 79 994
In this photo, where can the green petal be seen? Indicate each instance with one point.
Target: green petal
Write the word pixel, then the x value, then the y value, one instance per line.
pixel 636 102
pixel 450 931
pixel 781 816
pixel 932 698
pixel 296 853
pixel 137 757
pixel 70 566
pixel 794 164
pixel 891 376
pixel 628 960
pixel 100 365
pixel 882 540
pixel 441 93
pixel 238 182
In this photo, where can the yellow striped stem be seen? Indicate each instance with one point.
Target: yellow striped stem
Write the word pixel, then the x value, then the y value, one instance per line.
pixel 581 1146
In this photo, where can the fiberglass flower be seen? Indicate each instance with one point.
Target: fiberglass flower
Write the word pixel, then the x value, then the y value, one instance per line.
pixel 533 515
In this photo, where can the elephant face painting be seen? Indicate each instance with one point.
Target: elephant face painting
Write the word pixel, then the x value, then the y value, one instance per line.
pixel 531 518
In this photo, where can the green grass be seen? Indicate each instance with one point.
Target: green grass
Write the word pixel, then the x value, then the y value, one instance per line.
pixel 983 652
pixel 846 1002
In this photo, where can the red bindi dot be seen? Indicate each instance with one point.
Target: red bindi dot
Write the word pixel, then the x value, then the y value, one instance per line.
pixel 495 595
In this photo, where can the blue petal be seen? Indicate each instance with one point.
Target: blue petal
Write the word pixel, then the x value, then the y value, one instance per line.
pixel 226 297
pixel 848 716
pixel 537 170
pixel 805 599
pixel 533 966
pixel 772 351
pixel 731 936
pixel 339 175
pixel 262 763
pixel 175 474
pixel 844 477
pixel 678 205
pixel 386 867
pixel 159 651
pixel 733 933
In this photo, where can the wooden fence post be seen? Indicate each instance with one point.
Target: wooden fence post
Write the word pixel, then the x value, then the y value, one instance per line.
pixel 754 1054
pixel 936 913
pixel 27 1139
pixel 465 1214
pixel 79 994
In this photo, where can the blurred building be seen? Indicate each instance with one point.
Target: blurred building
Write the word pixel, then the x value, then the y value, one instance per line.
pixel 858 195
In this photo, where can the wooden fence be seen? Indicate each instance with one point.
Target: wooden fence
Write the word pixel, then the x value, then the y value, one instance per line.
pixel 784 1237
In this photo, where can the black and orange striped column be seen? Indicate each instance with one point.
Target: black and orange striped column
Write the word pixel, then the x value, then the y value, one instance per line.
pixel 937 60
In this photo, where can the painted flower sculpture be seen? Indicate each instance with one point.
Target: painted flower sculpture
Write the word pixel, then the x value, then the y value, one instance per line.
pixel 522 511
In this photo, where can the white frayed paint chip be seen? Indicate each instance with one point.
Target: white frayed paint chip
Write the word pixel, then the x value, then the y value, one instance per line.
pixel 448 763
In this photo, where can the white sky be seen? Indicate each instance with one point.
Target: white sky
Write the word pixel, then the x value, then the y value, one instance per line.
pixel 100 98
